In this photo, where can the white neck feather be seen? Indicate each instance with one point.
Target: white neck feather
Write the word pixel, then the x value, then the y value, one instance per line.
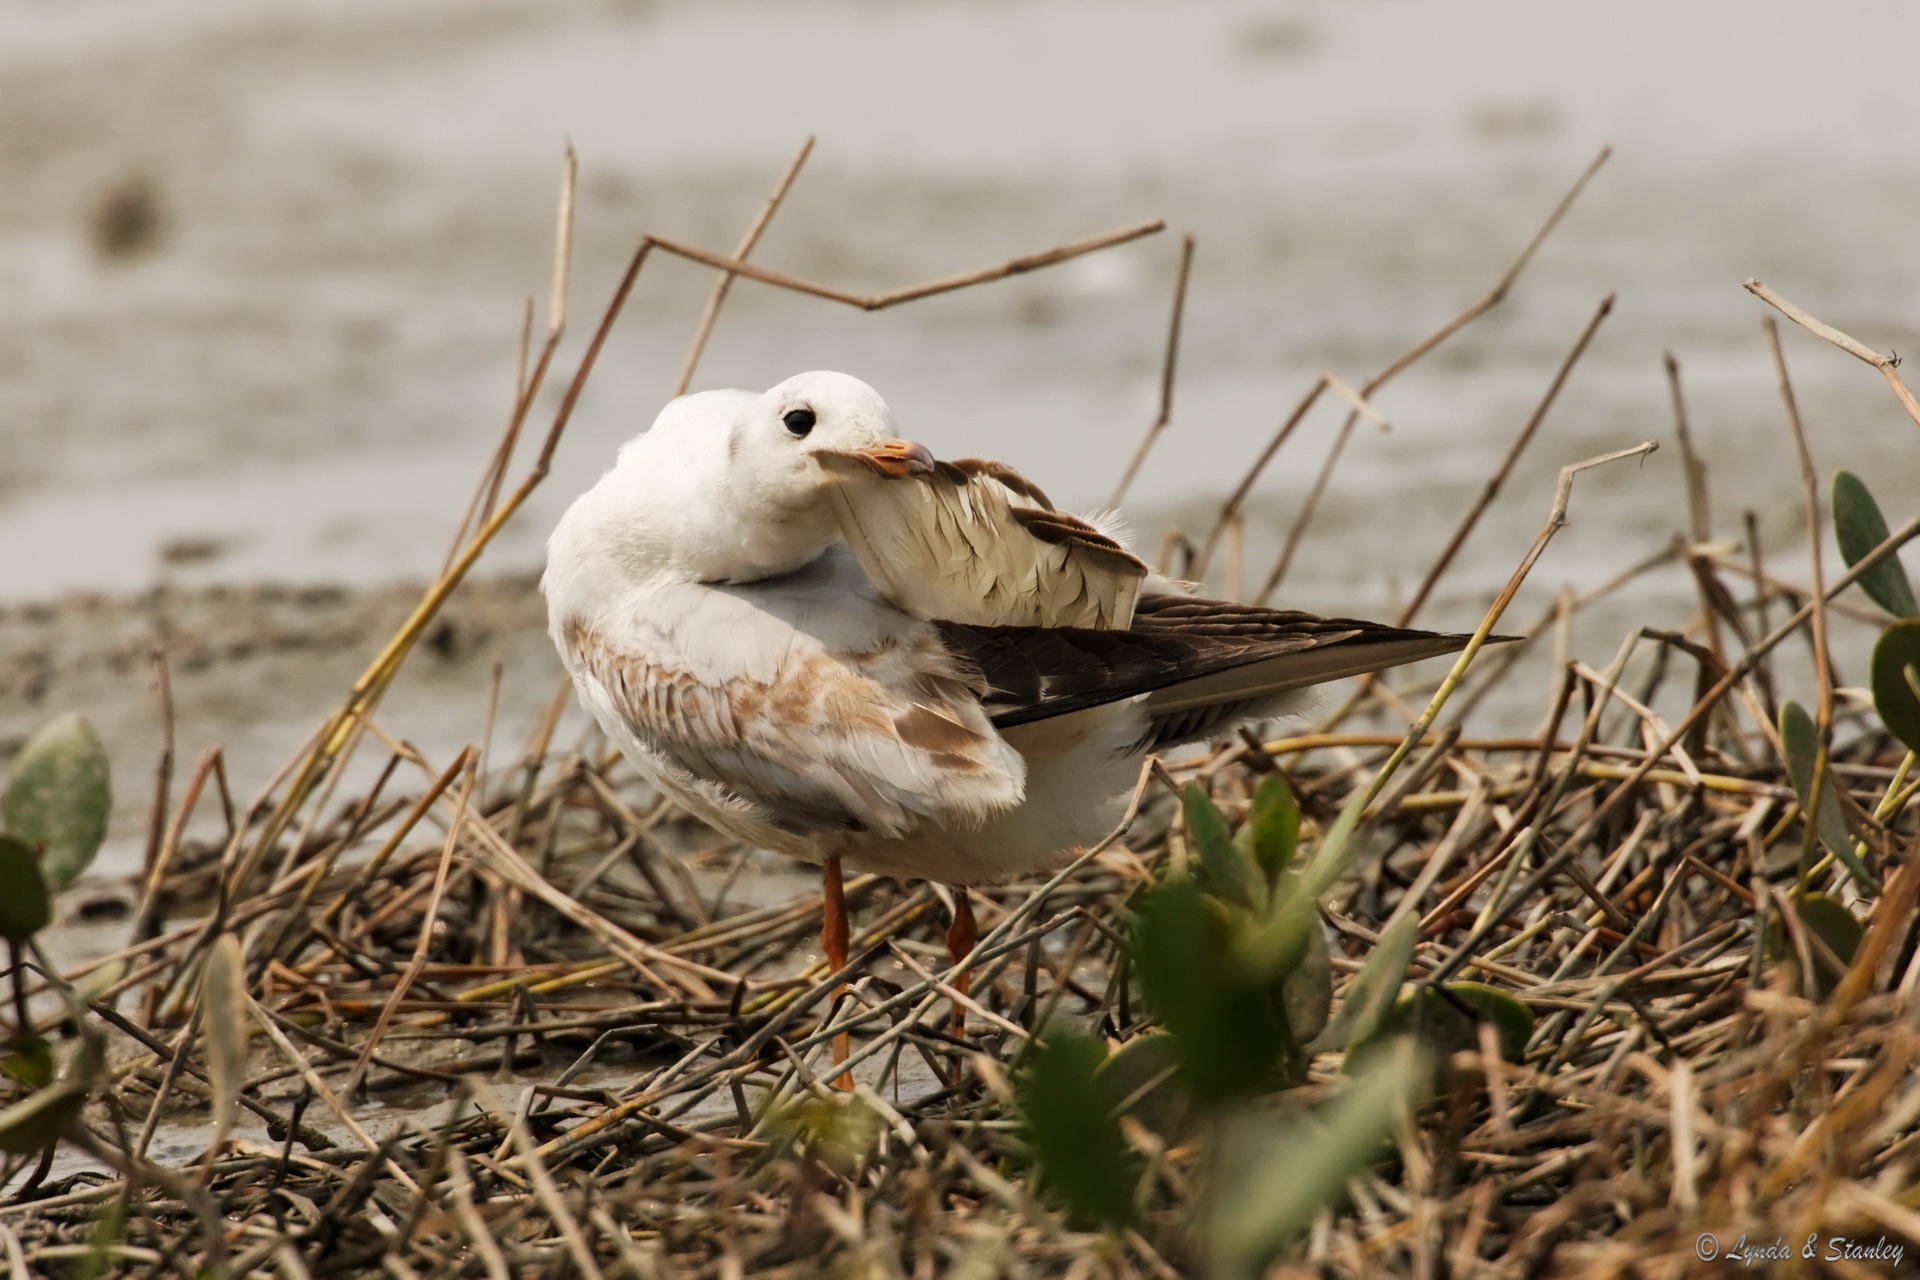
pixel 684 516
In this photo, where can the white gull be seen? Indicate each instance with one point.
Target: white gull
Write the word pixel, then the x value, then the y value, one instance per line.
pixel 821 640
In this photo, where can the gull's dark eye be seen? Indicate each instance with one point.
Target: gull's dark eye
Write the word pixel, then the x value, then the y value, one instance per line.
pixel 799 421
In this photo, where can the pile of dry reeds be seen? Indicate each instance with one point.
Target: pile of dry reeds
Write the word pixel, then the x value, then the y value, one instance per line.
pixel 483 1020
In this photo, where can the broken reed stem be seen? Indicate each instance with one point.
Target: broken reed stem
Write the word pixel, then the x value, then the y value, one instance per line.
pixel 1810 499
pixel 1488 492
pixel 1231 507
pixel 1556 520
pixel 1491 299
pixel 1167 365
pixel 911 293
pixel 146 913
pixel 1491 489
pixel 724 283
pixel 428 918
pixel 1888 364
pixel 1699 510
pixel 163 770
pixel 1822 660
pixel 487 492
pixel 556 320
pixel 379 674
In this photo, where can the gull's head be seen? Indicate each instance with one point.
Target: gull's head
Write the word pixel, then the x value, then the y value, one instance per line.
pixel 774 444
pixel 729 486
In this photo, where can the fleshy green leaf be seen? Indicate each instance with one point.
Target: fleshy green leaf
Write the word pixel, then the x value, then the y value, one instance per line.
pixel 108 1231
pixel 97 983
pixel 1828 921
pixel 1334 852
pixel 838 1132
pixel 1069 1111
pixel 1896 673
pixel 1307 988
pixel 1272 831
pixel 60 796
pixel 1274 1177
pixel 24 906
pixel 36 1122
pixel 30 1062
pixel 224 1023
pixel 1450 1026
pixel 1372 991
pixel 1801 742
pixel 1279 938
pixel 1144 1076
pixel 1229 1031
pixel 1219 867
pixel 1859 528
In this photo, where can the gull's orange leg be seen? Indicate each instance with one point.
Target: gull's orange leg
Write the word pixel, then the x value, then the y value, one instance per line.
pixel 961 935
pixel 834 936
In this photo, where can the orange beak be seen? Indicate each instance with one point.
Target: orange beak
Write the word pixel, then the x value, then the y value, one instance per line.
pixel 900 458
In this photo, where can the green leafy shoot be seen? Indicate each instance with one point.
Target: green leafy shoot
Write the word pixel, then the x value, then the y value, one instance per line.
pixel 1236 1015
pixel 1275 1176
pixel 1069 1111
pixel 1859 528
pixel 1219 866
pixel 1229 1030
pixel 1896 681
pixel 59 798
pixel 30 1062
pixel 31 1125
pixel 1280 938
pixel 25 907
pixel 1832 935
pixel 1801 741
pixel 1271 835
pixel 1306 990
pixel 1371 993
pixel 838 1132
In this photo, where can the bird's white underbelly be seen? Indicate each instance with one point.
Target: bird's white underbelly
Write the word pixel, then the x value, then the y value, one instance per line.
pixel 1079 770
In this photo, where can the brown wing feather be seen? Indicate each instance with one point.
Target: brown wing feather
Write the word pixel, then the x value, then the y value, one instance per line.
pixel 1190 652
pixel 975 541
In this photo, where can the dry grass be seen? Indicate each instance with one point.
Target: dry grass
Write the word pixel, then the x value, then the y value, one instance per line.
pixel 605 1067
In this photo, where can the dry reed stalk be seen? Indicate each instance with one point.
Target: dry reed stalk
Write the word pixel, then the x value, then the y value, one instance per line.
pixel 1168 364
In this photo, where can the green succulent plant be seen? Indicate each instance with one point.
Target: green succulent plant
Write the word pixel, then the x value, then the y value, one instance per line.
pixel 53 818
pixel 1232 962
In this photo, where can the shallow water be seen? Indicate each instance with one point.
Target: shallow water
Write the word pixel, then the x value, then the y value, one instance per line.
pixel 289 372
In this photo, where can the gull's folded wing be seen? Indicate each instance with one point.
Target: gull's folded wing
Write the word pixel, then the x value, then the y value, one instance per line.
pixel 812 739
pixel 975 542
pixel 1187 654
